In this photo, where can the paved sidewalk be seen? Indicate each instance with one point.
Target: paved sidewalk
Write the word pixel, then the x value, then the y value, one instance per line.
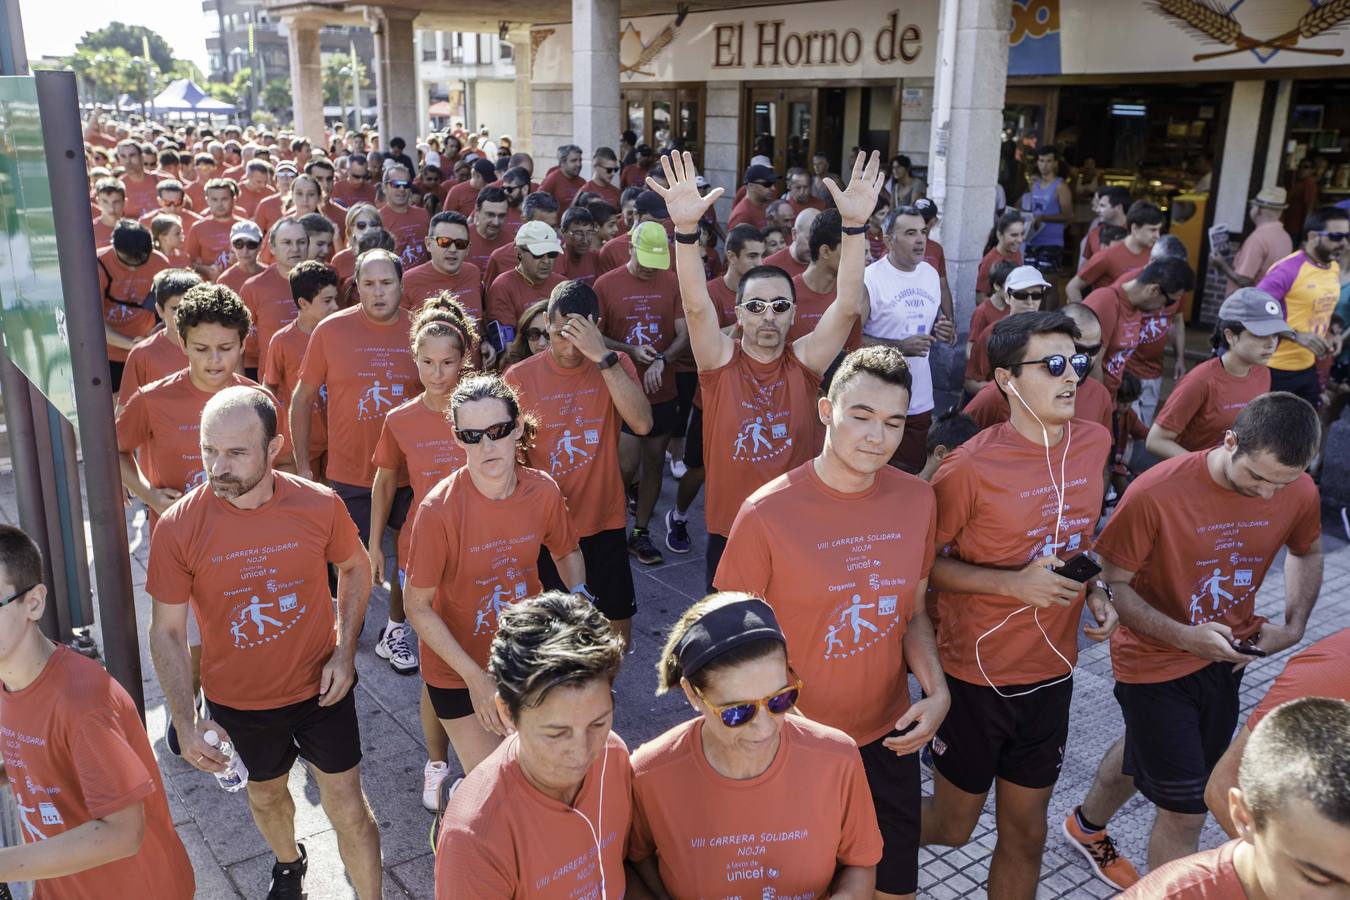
pixel 231 860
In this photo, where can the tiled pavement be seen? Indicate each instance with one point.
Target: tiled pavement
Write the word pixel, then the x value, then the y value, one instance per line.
pixel 231 860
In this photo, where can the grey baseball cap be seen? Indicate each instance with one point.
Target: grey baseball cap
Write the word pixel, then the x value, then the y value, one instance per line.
pixel 1259 313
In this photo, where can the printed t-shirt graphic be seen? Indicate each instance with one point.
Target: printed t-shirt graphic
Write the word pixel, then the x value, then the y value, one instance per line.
pixel 130 318
pixel 1199 561
pixel 258 583
pixel 842 571
pixel 208 242
pixel 409 229
pixel 903 304
pixel 1121 322
pixel 642 313
pixel 419 441
pixel 481 556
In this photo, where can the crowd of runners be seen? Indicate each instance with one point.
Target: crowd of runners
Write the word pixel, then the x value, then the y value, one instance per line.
pixel 316 344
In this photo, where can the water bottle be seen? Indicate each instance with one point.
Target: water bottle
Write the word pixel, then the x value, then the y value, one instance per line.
pixel 235 775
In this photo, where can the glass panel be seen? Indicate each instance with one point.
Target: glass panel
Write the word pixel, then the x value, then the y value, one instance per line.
pixel 688 129
pixel 799 133
pixel 636 117
pixel 763 127
pixel 661 120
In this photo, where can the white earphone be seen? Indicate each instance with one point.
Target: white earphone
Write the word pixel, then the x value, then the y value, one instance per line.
pixel 597 829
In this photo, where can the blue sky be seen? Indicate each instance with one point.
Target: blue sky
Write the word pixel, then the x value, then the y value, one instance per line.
pixel 49 33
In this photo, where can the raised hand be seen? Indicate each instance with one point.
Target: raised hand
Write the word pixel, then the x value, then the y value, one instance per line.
pixel 684 204
pixel 856 204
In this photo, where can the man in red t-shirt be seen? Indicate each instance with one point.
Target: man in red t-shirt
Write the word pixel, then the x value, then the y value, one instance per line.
pixel 1290 807
pixel 1121 307
pixel 92 811
pixel 759 188
pixel 250 552
pixel 139 183
pixel 816 286
pixel 1013 504
pixel 448 246
pixel 1185 553
pixel 126 274
pixel 538 207
pixel 1110 204
pixel 604 166
pixel 582 393
pixel 579 261
pixel 565 181
pixel 462 197
pixel 268 294
pixel 537 249
pixel 759 417
pixel 111 199
pixel 356 186
pixel 798 542
pixel 407 223
pixel 640 315
pixel 161 354
pixel 799 195
pixel 796 256
pixel 489 227
pixel 1144 221
pixel 208 241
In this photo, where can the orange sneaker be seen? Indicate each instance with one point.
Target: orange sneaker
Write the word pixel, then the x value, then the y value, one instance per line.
pixel 1101 853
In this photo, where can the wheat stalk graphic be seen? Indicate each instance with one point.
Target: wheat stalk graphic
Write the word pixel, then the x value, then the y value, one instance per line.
pixel 1208 21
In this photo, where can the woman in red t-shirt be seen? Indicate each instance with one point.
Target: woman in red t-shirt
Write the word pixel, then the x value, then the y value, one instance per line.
pixel 416 438
pixel 707 792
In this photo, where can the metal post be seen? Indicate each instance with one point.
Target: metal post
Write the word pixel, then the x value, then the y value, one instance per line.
pixel 27 472
pixel 63 142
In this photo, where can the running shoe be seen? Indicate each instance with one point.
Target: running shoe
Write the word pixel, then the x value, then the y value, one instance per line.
pixel 677 467
pixel 1101 853
pixel 395 646
pixel 444 791
pixel 677 533
pixel 640 545
pixel 288 879
pixel 433 773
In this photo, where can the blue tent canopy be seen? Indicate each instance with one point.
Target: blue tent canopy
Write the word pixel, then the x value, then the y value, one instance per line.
pixel 184 95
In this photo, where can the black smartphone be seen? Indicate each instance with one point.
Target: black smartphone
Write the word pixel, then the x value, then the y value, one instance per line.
pixel 1248 647
pixel 1080 568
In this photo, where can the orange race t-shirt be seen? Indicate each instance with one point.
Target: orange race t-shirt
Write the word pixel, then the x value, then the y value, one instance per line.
pixel 615 253
pixel 1207 875
pixel 503 837
pixel 347 192
pixel 149 361
pixel 783 833
pixel 235 276
pixel 481 248
pixel 249 199
pixel 996 508
pixel 811 305
pixel 75 750
pixel 1154 326
pixel 1121 322
pixel 460 198
pixel 165 418
pixel 368 369
pixel 562 188
pixel 608 192
pixel 409 229
pixel 586 269
pixel 423 282
pixel 268 298
pixel 102 233
pixel 642 312
pixel 578 439
pixel 759 421
pixel 258 583
pixel 285 354
pixel 842 572
pixel 481 556
pixel 1105 267
pixel 503 260
pixel 268 212
pixel 417 440
pixel 1207 400
pixel 1322 670
pixel 1198 561
pixel 983 285
pixel 142 195
pixel 510 295
pixel 985 315
pixel 784 260
pixel 208 242
pixel 724 299
pixel 133 316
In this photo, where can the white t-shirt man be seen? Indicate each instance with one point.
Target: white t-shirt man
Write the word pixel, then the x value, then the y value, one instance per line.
pixel 903 304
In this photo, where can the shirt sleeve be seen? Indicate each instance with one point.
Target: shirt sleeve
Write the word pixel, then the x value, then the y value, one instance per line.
pixel 467 867
pixel 860 837
pixel 1281 278
pixel 344 540
pixel 274 366
pixel 1130 533
pixel 314 367
pixel 133 423
pixel 1095 269
pixel 930 536
pixel 641 841
pixel 560 534
pixel 1307 530
pixel 747 561
pixel 110 774
pixel 954 487
pixel 168 577
pixel 429 549
pixel 1315 672
pixel 1105 306
pixel 388 454
pixel 982 285
pixel 1182 404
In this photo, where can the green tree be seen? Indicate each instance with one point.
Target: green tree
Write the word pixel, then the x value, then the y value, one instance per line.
pixel 337 87
pixel 105 74
pixel 129 38
pixel 276 96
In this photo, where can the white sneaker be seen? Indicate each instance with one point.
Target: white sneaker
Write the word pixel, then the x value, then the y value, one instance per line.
pixel 432 776
pixel 677 468
pixel 394 645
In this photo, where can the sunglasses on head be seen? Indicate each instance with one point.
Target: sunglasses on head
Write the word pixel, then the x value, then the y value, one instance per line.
pixel 492 432
pixel 243 243
pixel 536 334
pixel 458 243
pixel 780 305
pixel 1027 295
pixel 734 715
pixel 400 183
pixel 1057 363
pixel 1335 236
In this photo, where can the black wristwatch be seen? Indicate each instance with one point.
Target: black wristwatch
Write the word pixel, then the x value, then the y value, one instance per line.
pixel 611 359
pixel 856 229
pixel 1104 586
pixel 682 238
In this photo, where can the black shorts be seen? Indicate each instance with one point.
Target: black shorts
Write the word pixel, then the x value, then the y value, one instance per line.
pixel 693 442
pixel 686 383
pixel 251 373
pixel 1303 382
pixel 608 574
pixel 664 418
pixel 115 370
pixel 357 500
pixel 712 557
pixel 269 740
pixel 894 783
pixel 1175 732
pixel 450 703
pixel 1018 739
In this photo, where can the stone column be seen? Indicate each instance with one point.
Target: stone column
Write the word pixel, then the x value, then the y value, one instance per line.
pixel 306 78
pixel 595 77
pixel 522 54
pixel 395 74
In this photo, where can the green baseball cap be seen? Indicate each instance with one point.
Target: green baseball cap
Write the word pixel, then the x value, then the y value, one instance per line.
pixel 652 246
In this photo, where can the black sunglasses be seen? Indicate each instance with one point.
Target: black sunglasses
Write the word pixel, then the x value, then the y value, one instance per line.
pixel 251 245
pixel 493 432
pixel 400 183
pixel 458 243
pixel 1027 295
pixel 765 184
pixel 1090 351
pixel 552 254
pixel 1056 363
pixel 1335 236
pixel 610 169
pixel 780 305
pixel 362 226
pixel 16 595
pixel 536 334
pixel 513 187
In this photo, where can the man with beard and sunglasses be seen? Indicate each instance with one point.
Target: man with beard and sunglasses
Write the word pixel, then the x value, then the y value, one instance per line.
pixel 250 552
pixel 759 392
pixel 604 166
pixel 823 545
pixel 356 186
pixel 407 222
pixel 1188 622
pixel 1014 503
